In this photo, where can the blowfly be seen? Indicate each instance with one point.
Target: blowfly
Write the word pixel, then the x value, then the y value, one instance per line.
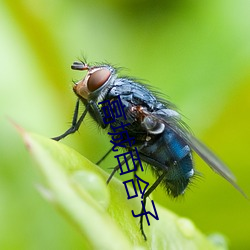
pixel 162 138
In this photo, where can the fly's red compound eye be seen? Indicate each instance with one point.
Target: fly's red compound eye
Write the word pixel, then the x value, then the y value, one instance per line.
pixel 97 79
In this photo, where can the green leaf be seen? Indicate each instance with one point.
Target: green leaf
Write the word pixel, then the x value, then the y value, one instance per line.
pixel 102 213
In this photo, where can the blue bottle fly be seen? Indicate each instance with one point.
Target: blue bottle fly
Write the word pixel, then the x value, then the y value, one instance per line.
pixel 162 139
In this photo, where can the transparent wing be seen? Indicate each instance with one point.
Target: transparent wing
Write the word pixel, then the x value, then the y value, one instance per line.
pixel 175 124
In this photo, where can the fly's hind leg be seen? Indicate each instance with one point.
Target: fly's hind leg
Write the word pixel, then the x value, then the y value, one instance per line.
pixel 149 191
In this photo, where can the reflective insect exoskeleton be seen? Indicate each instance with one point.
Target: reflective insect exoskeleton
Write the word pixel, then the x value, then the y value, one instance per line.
pixel 162 139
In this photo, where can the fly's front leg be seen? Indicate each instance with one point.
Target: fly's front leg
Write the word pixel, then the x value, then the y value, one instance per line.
pixel 97 114
pixel 75 124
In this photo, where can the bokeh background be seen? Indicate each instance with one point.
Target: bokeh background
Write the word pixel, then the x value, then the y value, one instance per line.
pixel 195 52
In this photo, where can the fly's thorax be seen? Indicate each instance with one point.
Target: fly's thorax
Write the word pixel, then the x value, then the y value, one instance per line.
pixel 95 84
pixel 154 122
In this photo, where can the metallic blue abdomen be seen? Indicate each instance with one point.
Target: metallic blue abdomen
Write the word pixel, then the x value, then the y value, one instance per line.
pixel 170 153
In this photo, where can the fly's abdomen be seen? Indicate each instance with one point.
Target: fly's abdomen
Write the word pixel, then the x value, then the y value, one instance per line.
pixel 180 168
pixel 172 155
pixel 178 176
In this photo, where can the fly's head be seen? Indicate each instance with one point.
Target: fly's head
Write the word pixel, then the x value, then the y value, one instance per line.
pixel 96 81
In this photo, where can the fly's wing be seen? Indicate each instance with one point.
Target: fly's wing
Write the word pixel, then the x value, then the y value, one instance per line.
pixel 175 124
pixel 212 160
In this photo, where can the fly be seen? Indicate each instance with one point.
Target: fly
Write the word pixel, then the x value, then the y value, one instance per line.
pixel 163 140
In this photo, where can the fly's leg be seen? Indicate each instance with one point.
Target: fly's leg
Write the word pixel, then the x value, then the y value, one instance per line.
pixel 98 114
pixel 116 168
pixel 149 191
pixel 99 119
pixel 134 173
pixel 75 124
pixel 104 157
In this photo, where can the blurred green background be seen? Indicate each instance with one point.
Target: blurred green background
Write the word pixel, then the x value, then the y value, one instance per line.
pixel 196 52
